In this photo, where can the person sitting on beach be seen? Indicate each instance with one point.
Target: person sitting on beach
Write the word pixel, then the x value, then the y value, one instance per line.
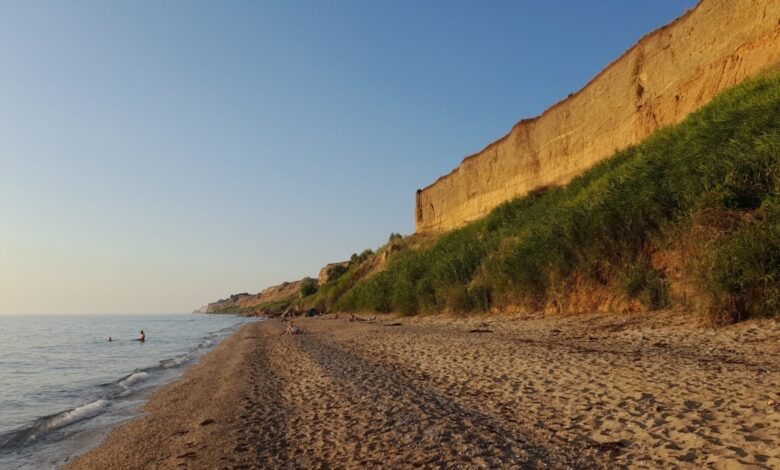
pixel 292 329
pixel 141 337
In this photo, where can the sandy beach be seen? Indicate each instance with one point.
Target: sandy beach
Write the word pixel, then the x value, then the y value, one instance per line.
pixel 523 391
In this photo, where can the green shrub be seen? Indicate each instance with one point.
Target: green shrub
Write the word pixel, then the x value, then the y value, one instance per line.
pixel 335 272
pixel 274 307
pixel 745 276
pixel 356 259
pixel 308 287
pixel 480 297
pixel 648 285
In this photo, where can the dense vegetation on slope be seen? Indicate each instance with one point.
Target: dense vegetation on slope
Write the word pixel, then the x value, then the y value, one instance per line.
pixel 706 191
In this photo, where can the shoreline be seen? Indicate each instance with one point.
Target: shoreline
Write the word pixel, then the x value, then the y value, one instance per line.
pixel 62 397
pixel 145 440
pixel 586 391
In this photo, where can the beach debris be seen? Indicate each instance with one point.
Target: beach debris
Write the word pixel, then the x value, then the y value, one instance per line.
pixel 392 324
pixel 290 312
pixel 480 330
pixel 207 422
pixel 771 402
pixel 611 446
pixel 425 461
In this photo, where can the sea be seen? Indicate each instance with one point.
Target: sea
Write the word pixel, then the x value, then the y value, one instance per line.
pixel 63 385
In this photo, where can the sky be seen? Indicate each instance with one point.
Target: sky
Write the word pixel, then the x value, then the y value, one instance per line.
pixel 156 156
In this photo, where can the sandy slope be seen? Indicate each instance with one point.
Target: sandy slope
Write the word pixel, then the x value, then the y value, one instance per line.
pixel 526 392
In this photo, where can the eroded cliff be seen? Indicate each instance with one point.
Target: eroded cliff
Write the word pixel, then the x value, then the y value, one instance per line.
pixel 668 74
pixel 270 300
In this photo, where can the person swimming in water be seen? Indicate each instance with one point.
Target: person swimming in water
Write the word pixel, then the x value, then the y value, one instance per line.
pixel 141 337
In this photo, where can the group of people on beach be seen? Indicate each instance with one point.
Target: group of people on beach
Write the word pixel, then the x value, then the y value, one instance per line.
pixel 292 329
pixel 353 317
pixel 141 337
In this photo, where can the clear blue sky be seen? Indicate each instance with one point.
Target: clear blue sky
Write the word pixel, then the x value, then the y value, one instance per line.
pixel 155 156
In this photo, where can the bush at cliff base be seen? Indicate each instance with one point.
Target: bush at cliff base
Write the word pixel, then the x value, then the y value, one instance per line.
pixel 722 161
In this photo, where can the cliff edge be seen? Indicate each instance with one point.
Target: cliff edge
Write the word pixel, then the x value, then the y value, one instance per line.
pixel 668 74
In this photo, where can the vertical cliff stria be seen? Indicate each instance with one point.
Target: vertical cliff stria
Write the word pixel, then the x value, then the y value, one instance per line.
pixel 659 81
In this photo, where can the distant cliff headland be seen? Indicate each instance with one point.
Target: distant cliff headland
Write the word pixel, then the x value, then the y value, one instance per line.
pixel 272 300
pixel 655 186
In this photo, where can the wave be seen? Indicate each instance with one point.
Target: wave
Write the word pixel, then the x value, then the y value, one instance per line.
pixel 77 414
pixel 134 378
pixel 175 362
pixel 41 426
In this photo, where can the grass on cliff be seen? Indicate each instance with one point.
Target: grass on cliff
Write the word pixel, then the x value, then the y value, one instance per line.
pixel 718 170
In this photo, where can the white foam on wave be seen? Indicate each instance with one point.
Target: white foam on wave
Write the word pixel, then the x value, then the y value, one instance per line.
pixel 176 361
pixel 77 414
pixel 134 379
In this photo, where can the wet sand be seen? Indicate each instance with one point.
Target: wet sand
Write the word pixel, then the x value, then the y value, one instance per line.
pixel 587 391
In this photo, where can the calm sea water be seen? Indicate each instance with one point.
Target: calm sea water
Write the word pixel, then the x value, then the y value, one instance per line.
pixel 63 385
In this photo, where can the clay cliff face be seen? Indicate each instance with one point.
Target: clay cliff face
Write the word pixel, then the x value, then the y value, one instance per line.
pixel 663 78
